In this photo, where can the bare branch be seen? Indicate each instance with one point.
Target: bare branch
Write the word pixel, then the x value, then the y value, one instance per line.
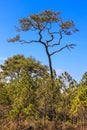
pixel 28 42
pixel 52 37
pixel 59 50
pixel 40 35
pixel 60 33
pixel 40 38
pixel 31 41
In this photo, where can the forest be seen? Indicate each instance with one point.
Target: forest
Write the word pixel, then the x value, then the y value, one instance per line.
pixel 32 95
pixel 28 101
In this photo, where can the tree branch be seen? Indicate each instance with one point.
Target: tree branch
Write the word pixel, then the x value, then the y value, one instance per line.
pixel 40 38
pixel 67 46
pixel 59 41
pixel 51 35
pixel 28 42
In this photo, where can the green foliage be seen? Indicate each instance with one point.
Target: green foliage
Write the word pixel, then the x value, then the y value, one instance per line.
pixel 13 66
pixel 79 101
pixel 84 79
pixel 21 92
pixel 37 100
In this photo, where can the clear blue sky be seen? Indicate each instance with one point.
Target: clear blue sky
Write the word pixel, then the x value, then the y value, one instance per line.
pixel 74 61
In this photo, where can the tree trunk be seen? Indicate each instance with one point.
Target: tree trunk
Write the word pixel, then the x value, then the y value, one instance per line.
pixel 50 62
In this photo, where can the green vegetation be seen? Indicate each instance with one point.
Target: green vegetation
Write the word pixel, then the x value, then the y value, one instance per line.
pixel 28 100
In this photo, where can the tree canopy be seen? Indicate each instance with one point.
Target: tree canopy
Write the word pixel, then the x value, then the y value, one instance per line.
pixel 50 30
pixel 13 67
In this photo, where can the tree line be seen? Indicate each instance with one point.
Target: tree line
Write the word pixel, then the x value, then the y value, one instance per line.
pixel 29 102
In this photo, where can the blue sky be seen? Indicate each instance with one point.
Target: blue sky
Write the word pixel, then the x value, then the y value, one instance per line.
pixel 74 61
